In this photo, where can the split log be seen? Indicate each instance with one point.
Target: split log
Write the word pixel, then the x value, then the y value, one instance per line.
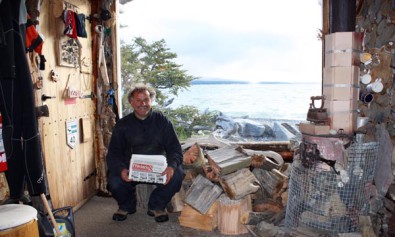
pixel 271 181
pixel 239 184
pixel 284 198
pixel 212 170
pixel 287 156
pixel 267 160
pixel 229 214
pixel 228 159
pixel 202 194
pixel 271 206
pixel 191 218
pixel 278 196
pixel 281 147
pixel 206 142
pixel 193 157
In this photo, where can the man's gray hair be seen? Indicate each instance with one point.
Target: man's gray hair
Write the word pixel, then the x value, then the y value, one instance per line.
pixel 141 87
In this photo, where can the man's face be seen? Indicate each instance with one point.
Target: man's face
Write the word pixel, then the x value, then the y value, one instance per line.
pixel 141 103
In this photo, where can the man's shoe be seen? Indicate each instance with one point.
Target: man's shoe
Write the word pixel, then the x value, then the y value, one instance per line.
pixel 160 215
pixel 121 215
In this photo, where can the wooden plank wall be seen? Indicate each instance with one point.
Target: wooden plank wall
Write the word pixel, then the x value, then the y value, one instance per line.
pixel 67 168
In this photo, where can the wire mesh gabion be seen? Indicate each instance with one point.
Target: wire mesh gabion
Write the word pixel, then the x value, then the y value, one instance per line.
pixel 329 200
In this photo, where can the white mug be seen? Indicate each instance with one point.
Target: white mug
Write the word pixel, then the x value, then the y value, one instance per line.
pixel 376 86
pixel 366 79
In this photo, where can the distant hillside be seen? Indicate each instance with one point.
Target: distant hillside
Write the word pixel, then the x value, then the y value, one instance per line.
pixel 216 81
pixel 212 82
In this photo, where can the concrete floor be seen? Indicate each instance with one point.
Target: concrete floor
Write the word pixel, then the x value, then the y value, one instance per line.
pixel 94 219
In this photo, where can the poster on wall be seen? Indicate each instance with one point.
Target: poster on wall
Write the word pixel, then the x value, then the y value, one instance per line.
pixel 69 52
pixel 71 133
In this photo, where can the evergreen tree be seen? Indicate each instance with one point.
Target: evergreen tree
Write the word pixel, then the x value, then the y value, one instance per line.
pixel 154 64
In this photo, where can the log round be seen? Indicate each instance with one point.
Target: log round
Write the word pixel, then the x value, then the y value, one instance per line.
pixel 230 213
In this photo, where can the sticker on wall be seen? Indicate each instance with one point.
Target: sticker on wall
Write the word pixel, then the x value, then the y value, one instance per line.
pixel 71 133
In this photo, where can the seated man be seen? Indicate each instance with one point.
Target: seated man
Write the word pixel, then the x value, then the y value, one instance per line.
pixel 146 132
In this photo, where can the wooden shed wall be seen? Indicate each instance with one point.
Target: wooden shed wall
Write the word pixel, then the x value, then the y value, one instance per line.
pixel 67 168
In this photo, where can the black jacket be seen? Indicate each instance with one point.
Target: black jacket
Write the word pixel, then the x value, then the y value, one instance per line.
pixel 154 135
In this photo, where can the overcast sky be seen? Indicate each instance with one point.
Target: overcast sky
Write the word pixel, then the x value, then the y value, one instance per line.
pixel 250 40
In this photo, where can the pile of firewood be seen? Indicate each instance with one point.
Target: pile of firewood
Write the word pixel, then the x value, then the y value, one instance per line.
pixel 233 189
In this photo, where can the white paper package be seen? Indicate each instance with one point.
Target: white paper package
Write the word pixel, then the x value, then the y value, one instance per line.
pixel 147 168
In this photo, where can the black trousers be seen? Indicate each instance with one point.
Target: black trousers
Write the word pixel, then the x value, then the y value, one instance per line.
pixel 125 193
pixel 20 130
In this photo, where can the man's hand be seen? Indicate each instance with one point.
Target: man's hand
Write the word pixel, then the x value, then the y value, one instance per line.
pixel 125 175
pixel 169 172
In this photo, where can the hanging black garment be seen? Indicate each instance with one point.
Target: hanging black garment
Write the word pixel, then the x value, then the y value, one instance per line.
pixel 20 130
pixel 80 23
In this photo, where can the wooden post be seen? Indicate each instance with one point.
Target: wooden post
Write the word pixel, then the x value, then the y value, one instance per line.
pixel 229 214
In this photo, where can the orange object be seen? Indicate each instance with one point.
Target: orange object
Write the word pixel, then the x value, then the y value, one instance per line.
pixel 33 39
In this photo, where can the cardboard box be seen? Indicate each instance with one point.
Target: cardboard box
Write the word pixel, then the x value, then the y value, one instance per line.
pixel 342 59
pixel 343 41
pixel 342 114
pixel 147 168
pixel 313 129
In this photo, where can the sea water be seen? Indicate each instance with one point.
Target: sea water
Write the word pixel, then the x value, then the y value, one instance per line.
pixel 288 101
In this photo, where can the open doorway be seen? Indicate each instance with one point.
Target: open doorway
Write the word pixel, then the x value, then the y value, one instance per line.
pixel 255 60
